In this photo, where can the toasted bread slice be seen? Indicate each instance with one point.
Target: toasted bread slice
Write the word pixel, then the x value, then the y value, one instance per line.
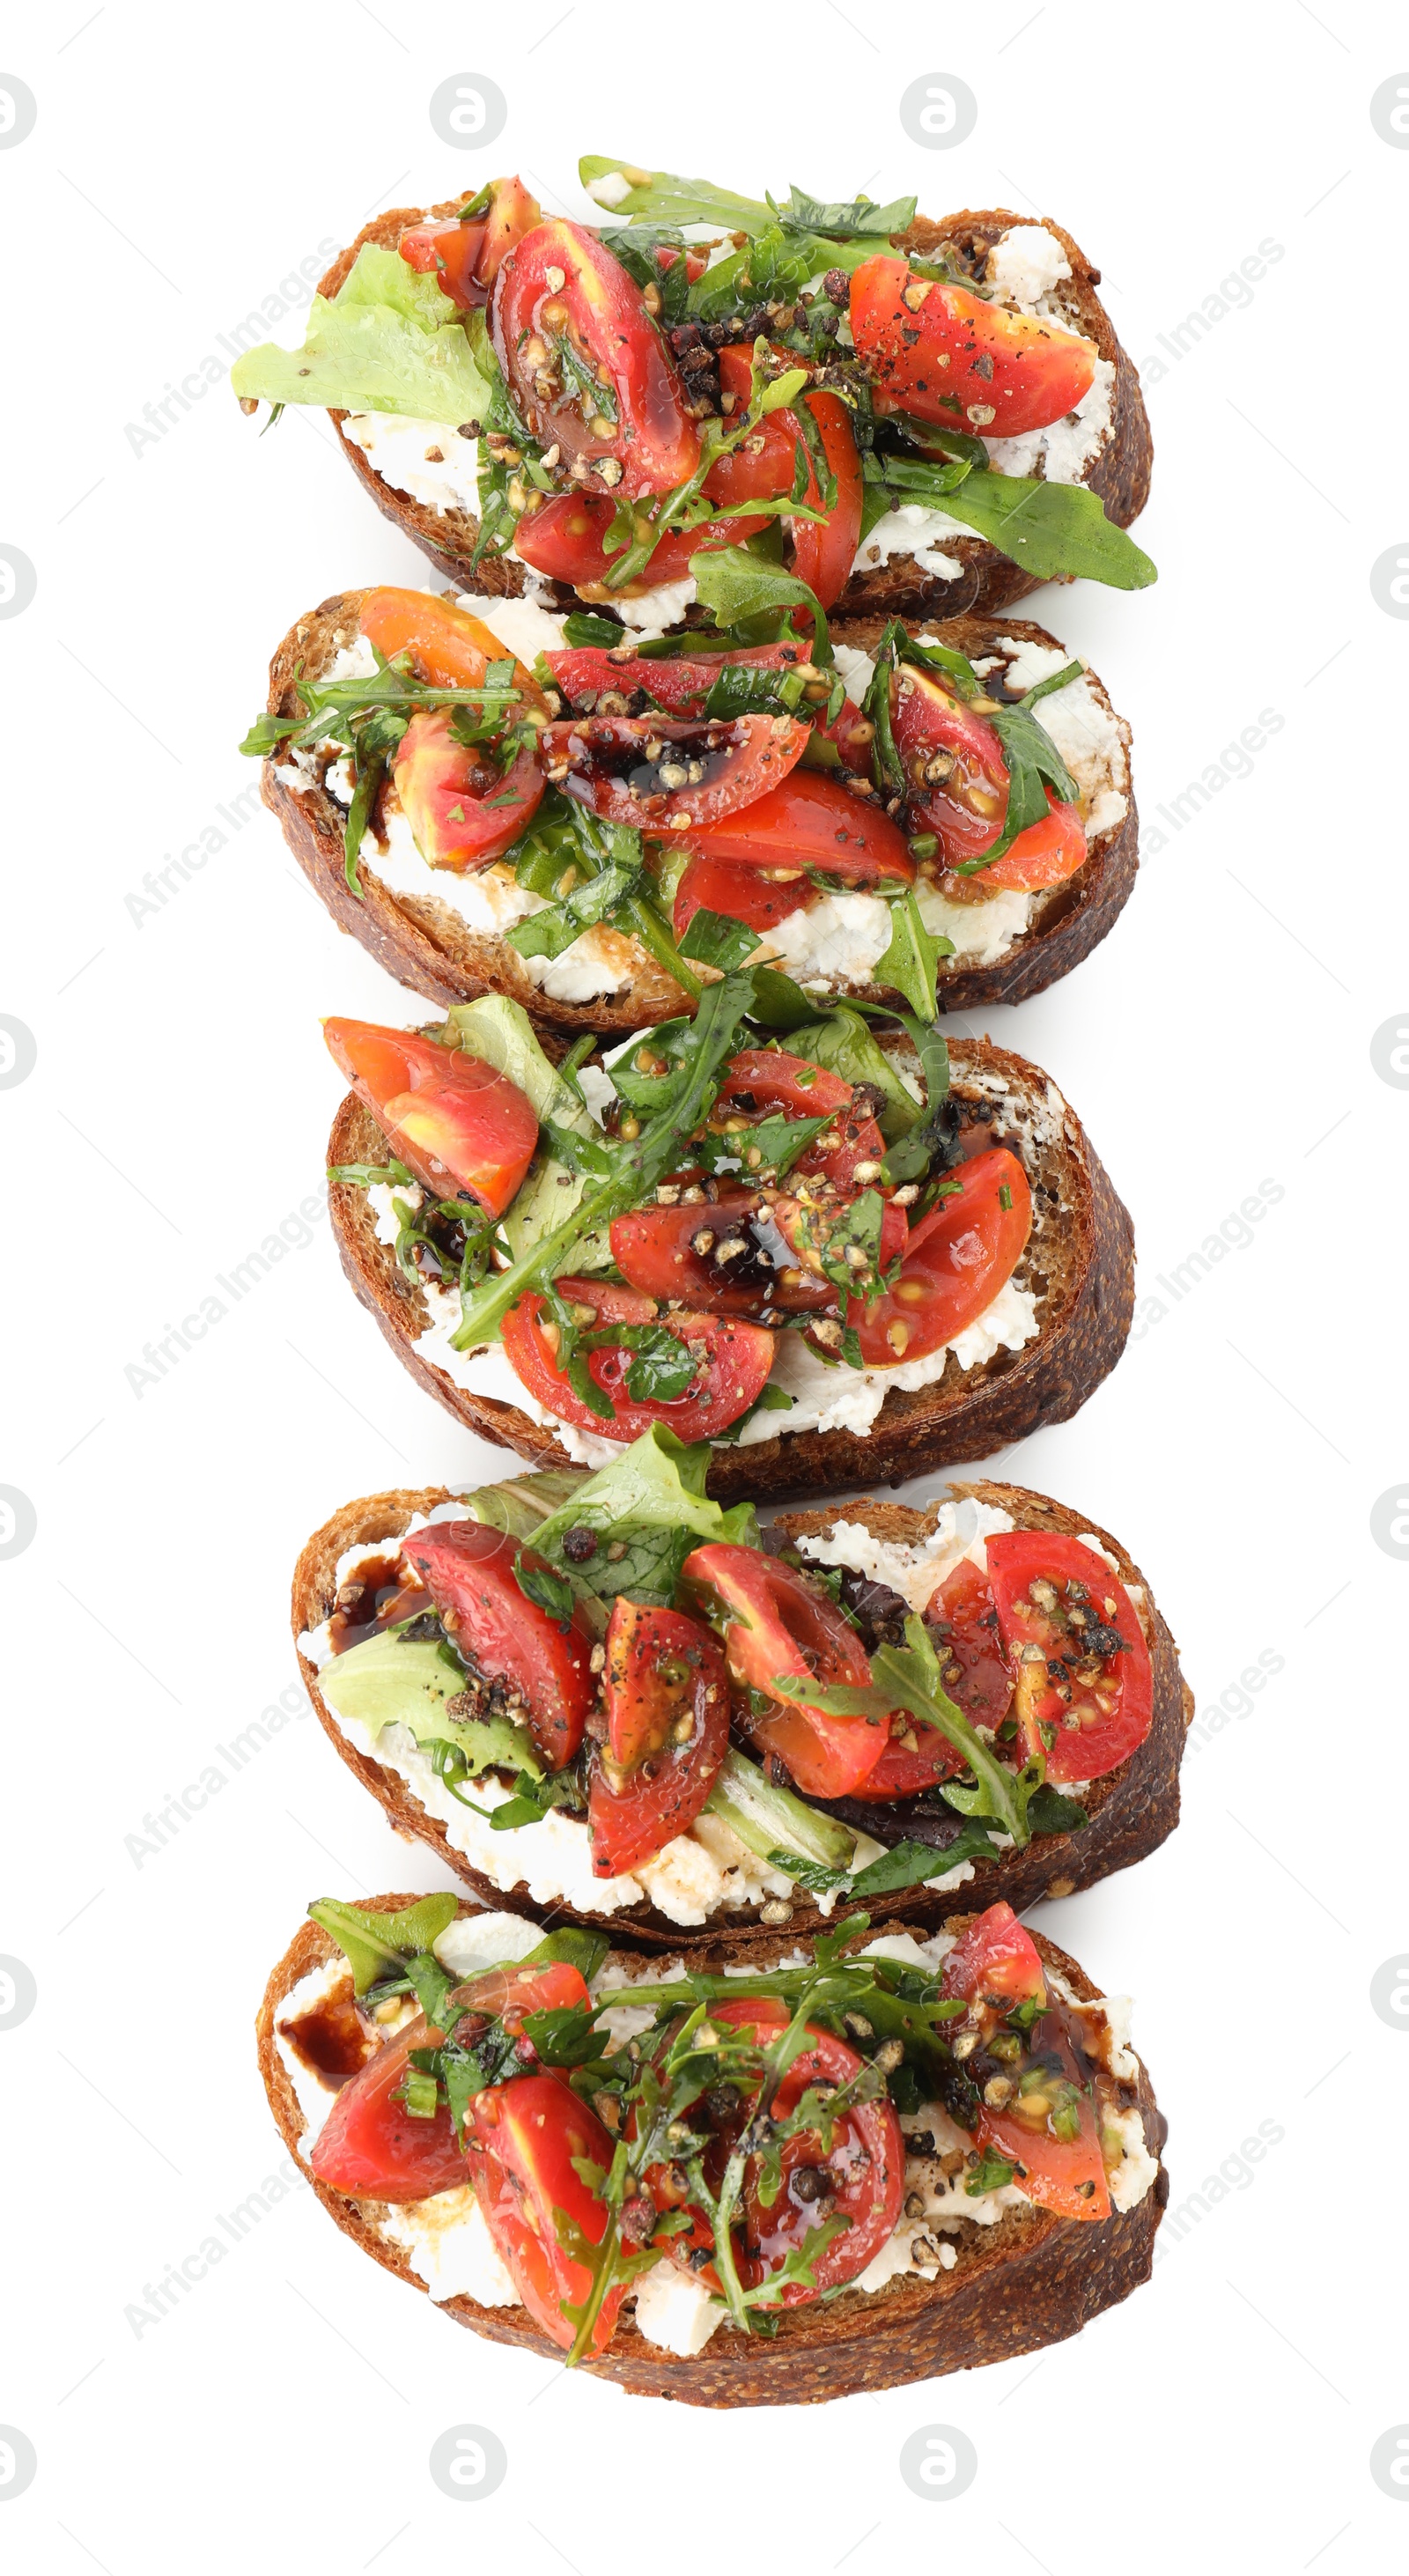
pixel 1030 2280
pixel 1079 1262
pixel 1119 473
pixel 1130 1811
pixel 423 940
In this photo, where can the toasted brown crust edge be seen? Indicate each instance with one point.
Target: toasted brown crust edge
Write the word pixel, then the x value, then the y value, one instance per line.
pixel 990 581
pixel 1036 2280
pixel 984 1410
pixel 1131 1812
pixel 1071 920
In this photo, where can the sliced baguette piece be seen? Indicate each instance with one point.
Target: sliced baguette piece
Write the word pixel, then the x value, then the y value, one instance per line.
pixel 1130 1812
pixel 1079 1260
pixel 424 942
pixel 1029 2281
pixel 989 580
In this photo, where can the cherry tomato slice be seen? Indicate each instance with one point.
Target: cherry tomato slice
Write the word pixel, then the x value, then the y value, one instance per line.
pixel 771 1080
pixel 459 1123
pixel 667 1700
pixel 513 215
pixel 449 648
pixel 956 1260
pixel 811 822
pixel 824 553
pixel 739 894
pixel 676 1252
pixel 1049 2130
pixel 530 2136
pixel 469 1572
pixel 864 2169
pixel 449 252
pixel 734 1361
pixel 660 775
pixel 462 808
pixel 590 371
pixel 1046 854
pixel 949 356
pixel 967 807
pixel 681 684
pixel 465 258
pixel 966 1640
pixel 1104 1707
pixel 370 2144
pixel 776 1623
pixel 566 540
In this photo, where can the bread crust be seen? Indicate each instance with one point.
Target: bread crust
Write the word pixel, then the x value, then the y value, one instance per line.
pixel 425 944
pixel 1084 1314
pixel 1131 1811
pixel 1033 2279
pixel 989 581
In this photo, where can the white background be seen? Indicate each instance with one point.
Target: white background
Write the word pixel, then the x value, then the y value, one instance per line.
pixel 183 162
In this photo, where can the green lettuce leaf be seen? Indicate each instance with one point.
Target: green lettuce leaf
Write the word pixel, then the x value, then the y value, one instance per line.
pixel 390 342
pixel 378 1945
pixel 651 1503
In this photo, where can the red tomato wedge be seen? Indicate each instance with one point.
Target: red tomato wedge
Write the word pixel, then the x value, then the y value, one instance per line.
pixel 467 257
pixel 739 894
pixel 966 1640
pixel 823 554
pixel 1049 2128
pixel 369 2144
pixel 775 1623
pixel 734 1361
pixel 463 809
pixel 590 372
pixel 449 648
pixel 661 775
pixel 966 808
pixel 469 1572
pixel 566 540
pixel 458 1122
pixel 811 822
pixel 681 683
pixel 995 1958
pixel 530 2136
pixel 1046 854
pixel 947 355
pixel 692 1253
pixel 766 1080
pixel 667 1701
pixel 1054 1593
pixel 449 252
pixel 864 2167
pixel 956 1260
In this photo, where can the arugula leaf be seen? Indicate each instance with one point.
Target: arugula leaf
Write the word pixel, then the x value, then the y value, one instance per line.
pixel 734 584
pixel 565 2034
pixel 905 1864
pixel 842 1044
pixel 377 1944
pixel 1054 530
pixel 714 939
pixel 779 1003
pixel 391 341
pixel 549 1591
pixel 657 196
pixel 814 215
pixel 908 1677
pixel 582 1948
pixel 1048 1812
pixel 772 1145
pixel 584 627
pixel 909 963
